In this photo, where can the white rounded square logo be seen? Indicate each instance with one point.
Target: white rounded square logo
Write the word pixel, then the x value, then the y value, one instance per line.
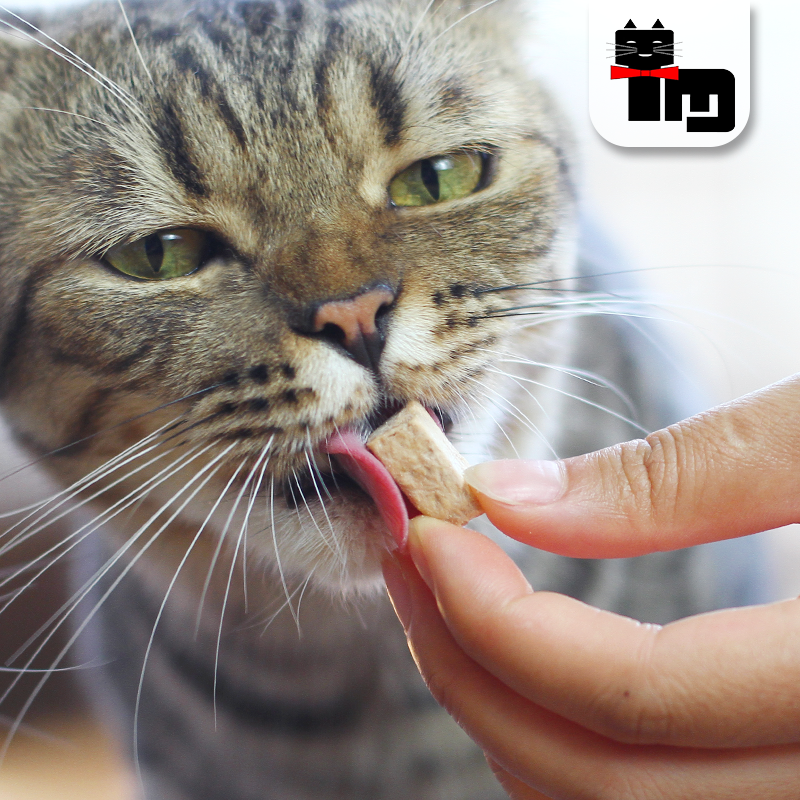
pixel 670 73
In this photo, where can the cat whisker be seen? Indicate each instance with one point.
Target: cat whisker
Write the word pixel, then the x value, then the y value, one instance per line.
pixel 115 426
pixel 263 457
pixel 41 504
pixel 419 21
pixel 299 589
pixel 36 524
pixel 313 519
pixel 214 466
pixel 79 536
pixel 591 378
pixel 584 401
pixel 74 60
pixel 516 412
pixel 586 304
pixel 461 19
pixel 314 473
pixel 224 532
pixel 278 564
pixel 73 114
pixel 474 398
pixel 135 43
pixel 78 597
pixel 547 283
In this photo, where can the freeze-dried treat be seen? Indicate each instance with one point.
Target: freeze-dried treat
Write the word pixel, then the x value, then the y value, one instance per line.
pixel 425 465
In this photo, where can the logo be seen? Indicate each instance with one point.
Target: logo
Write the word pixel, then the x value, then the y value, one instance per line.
pixel 685 83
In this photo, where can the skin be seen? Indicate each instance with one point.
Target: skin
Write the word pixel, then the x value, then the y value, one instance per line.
pixel 574 703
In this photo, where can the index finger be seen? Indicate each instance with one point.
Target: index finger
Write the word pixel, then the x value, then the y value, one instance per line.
pixel 725 473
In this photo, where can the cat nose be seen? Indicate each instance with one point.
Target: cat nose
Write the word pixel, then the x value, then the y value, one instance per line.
pixel 353 324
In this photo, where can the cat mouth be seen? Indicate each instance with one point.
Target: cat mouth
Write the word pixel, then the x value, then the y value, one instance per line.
pixel 355 467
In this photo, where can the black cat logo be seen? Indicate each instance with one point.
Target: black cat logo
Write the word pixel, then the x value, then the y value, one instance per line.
pixel 645 55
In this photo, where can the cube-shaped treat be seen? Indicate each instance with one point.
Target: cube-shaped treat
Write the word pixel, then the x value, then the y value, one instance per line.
pixel 425 465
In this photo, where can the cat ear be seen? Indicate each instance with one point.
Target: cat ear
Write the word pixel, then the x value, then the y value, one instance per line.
pixel 658 24
pixel 630 24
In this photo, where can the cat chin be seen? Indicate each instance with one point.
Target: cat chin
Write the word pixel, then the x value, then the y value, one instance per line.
pixel 337 550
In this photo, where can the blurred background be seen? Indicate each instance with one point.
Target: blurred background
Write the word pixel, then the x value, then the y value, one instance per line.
pixel 714 233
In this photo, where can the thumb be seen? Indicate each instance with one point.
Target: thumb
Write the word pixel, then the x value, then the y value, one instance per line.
pixel 725 473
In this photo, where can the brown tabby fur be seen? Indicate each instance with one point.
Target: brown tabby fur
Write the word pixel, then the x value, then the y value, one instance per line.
pixel 277 127
pixel 215 531
pixel 218 136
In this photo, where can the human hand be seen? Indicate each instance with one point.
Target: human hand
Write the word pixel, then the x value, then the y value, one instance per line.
pixel 572 702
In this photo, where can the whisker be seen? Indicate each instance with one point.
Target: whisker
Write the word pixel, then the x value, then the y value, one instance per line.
pixel 591 378
pixel 37 525
pixel 216 467
pixel 314 522
pixel 39 505
pixel 315 473
pixel 635 425
pixel 81 595
pixel 73 114
pixel 416 27
pixel 515 412
pixel 135 43
pixel 264 456
pixel 300 588
pixel 115 426
pixel 281 573
pixel 222 536
pixel 76 61
pixel 461 19
pixel 93 525
pixel 211 513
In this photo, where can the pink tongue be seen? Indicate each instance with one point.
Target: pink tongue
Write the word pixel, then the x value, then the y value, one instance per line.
pixel 354 458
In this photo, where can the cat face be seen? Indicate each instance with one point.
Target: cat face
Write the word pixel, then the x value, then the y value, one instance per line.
pixel 648 49
pixel 181 228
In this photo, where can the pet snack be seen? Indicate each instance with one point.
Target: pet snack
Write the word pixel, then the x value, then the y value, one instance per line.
pixel 426 467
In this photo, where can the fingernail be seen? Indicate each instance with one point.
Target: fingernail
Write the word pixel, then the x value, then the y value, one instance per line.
pixel 399 593
pixel 517 482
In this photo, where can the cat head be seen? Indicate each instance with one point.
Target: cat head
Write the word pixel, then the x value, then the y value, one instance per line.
pixel 644 48
pixel 186 215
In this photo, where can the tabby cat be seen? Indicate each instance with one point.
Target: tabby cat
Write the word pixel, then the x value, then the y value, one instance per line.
pixel 230 234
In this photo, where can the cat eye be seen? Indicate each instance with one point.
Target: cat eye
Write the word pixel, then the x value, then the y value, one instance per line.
pixel 161 256
pixel 438 179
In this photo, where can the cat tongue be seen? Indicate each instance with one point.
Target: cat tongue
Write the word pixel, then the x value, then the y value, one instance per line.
pixel 354 458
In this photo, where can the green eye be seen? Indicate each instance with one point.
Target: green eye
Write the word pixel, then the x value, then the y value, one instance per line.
pixel 161 256
pixel 438 179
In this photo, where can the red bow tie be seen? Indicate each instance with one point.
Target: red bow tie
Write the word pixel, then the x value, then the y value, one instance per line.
pixel 670 73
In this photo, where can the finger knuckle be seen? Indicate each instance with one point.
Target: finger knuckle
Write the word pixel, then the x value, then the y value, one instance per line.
pixel 651 470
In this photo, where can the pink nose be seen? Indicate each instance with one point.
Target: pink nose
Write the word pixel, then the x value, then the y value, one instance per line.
pixel 352 324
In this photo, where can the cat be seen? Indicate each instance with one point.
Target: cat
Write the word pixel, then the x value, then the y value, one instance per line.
pixel 650 50
pixel 229 233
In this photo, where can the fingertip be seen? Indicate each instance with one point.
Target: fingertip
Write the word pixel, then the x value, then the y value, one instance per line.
pixel 459 564
pixel 421 530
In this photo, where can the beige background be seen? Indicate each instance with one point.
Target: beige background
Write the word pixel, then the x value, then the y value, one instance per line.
pixel 716 233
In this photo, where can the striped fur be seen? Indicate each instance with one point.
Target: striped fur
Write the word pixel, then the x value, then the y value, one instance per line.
pixel 277 126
